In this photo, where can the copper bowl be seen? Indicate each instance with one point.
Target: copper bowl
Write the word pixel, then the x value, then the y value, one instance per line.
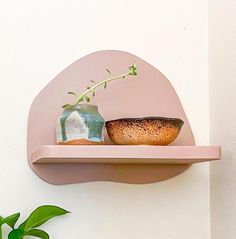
pixel 144 131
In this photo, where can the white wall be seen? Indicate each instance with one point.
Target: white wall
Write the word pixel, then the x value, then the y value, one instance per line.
pixel 222 75
pixel 41 38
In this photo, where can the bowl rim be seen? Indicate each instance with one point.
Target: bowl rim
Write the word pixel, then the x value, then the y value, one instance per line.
pixel 179 121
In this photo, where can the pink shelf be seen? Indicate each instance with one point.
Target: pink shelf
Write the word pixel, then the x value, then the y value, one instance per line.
pixel 127 164
pixel 116 154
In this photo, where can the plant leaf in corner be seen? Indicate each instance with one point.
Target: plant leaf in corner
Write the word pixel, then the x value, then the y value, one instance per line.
pixel 16 234
pixel 41 215
pixel 37 233
pixel 11 220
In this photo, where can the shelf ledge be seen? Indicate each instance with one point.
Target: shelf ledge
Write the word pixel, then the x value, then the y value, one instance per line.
pixel 119 154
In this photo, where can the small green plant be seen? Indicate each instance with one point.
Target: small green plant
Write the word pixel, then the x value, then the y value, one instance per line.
pixel 29 227
pixel 84 96
pixel 10 221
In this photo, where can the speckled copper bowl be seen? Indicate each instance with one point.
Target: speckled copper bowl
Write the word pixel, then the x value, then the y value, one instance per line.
pixel 146 131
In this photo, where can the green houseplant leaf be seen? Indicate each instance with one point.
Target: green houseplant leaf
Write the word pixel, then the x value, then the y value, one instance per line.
pixel 16 234
pixel 28 228
pixel 41 215
pixel 37 233
pixel 11 220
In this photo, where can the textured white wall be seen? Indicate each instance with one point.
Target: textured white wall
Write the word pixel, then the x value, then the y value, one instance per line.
pixel 41 38
pixel 222 76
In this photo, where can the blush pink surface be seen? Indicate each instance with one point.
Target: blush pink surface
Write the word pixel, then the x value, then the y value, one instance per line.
pixel 148 94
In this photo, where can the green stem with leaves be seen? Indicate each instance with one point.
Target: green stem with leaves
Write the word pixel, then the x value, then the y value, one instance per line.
pixel 132 72
pixel 104 82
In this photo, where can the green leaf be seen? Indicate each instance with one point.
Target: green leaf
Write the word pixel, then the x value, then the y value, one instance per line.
pixel 94 93
pixel 87 98
pixel 93 81
pixel 88 87
pixel 41 215
pixel 37 233
pixel 16 234
pixel 72 93
pixel 109 72
pixel 105 85
pixel 11 220
pixel 66 105
pixel 22 225
pixel 133 70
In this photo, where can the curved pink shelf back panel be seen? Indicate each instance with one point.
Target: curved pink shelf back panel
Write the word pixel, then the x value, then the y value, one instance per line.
pixel 148 94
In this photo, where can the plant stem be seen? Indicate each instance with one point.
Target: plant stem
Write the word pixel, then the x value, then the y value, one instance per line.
pixel 99 84
pixel 0 231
